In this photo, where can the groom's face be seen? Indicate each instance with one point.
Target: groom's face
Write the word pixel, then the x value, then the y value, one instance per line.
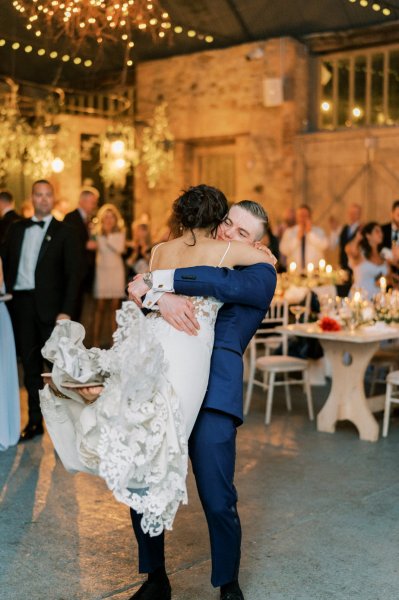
pixel 240 226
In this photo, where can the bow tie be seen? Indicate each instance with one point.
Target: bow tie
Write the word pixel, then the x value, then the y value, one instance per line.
pixel 31 222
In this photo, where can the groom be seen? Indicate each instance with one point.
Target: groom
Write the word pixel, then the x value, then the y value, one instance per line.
pixel 246 293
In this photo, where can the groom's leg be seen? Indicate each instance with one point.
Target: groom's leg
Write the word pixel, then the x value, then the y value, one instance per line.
pixel 212 447
pixel 151 549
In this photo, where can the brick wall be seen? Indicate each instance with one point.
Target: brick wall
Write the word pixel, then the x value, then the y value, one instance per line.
pixel 216 98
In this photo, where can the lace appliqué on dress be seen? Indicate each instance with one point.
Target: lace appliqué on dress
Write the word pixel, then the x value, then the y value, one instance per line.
pixel 133 435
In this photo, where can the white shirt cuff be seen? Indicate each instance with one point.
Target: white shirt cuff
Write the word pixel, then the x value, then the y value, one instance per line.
pixel 151 299
pixel 162 281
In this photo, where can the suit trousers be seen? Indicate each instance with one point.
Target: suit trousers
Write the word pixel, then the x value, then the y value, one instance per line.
pixel 30 336
pixel 212 448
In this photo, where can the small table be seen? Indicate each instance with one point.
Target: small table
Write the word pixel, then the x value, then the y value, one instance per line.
pixel 349 354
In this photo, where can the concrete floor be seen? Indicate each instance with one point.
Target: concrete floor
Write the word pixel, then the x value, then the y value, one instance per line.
pixel 320 516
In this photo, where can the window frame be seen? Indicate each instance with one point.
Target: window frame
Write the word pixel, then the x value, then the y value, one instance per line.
pixel 351 55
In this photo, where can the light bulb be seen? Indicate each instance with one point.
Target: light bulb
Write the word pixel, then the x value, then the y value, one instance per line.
pixel 120 163
pixel 117 147
pixel 57 165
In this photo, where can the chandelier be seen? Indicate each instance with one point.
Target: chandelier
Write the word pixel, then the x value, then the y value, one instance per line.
pixel 102 20
pixel 157 146
pixel 117 154
pixel 29 147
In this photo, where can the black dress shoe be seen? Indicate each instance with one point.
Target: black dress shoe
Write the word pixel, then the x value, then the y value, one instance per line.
pixel 238 595
pixel 153 590
pixel 31 431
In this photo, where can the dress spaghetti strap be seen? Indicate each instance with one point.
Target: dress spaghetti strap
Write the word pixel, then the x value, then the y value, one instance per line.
pixel 155 248
pixel 224 255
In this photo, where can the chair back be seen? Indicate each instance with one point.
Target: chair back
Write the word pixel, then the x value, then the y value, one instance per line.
pixel 276 315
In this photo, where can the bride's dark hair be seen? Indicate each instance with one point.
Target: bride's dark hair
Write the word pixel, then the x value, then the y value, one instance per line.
pixel 200 207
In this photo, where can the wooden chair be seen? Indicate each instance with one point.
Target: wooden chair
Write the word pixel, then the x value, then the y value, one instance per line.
pixel 271 366
pixel 391 397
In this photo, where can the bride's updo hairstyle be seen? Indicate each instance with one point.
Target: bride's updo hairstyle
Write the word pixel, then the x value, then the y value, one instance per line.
pixel 200 207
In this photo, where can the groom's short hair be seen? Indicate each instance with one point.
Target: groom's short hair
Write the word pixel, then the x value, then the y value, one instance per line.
pixel 257 211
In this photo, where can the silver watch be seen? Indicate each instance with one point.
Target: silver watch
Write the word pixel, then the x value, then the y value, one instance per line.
pixel 147 278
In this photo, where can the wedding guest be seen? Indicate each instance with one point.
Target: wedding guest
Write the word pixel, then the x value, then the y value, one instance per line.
pixel 390 242
pixel 304 243
pixel 9 389
pixel 365 259
pixel 272 242
pixel 81 220
pixel 109 280
pixel 140 246
pixel 40 258
pixel 390 230
pixel 61 208
pixel 341 237
pixel 164 233
pixel 288 220
pixel 7 213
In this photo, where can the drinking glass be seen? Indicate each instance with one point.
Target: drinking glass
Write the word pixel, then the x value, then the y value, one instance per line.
pixel 297 310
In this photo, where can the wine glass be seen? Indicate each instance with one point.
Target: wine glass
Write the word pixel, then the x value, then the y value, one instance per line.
pixel 297 310
pixel 345 312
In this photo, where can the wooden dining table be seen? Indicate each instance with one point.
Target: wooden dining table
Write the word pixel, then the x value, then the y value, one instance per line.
pixel 349 353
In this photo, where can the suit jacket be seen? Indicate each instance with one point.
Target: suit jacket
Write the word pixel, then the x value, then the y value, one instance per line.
pixel 5 223
pixel 387 235
pixel 88 257
pixel 57 269
pixel 344 238
pixel 247 293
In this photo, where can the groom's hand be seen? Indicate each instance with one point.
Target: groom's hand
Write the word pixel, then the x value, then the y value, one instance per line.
pixel 179 312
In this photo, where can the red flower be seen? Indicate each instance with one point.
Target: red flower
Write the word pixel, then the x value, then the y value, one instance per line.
pixel 329 324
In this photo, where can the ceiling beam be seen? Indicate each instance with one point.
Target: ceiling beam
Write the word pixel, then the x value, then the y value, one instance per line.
pixel 238 17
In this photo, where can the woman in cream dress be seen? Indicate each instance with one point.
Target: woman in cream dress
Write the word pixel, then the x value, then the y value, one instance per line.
pixel 109 280
pixel 154 378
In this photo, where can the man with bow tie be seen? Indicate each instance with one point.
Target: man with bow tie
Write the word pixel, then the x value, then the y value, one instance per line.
pixel 41 271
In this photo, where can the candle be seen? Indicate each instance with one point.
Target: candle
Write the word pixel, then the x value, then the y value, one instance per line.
pixel 329 269
pixel 292 267
pixel 322 264
pixel 357 297
pixel 383 285
pixel 310 268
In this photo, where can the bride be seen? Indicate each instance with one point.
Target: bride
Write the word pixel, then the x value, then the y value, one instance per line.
pixel 152 381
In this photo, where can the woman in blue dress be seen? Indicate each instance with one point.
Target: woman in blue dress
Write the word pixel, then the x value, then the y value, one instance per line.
pixel 365 259
pixel 9 388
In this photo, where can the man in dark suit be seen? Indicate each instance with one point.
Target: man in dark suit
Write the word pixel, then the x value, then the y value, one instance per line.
pixel 343 237
pixel 41 270
pixel 81 220
pixel 390 242
pixel 7 213
pixel 246 294
pixel 391 230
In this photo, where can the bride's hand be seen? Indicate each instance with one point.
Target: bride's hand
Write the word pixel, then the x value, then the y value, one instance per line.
pixel 263 248
pixel 137 289
pixel 90 394
pixel 178 312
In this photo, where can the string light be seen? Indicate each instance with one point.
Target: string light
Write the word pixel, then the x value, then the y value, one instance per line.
pixel 376 6
pixel 78 19
pixel 106 21
pixel 53 54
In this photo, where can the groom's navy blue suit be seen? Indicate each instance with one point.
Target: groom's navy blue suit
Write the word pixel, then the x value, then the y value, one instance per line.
pixel 246 294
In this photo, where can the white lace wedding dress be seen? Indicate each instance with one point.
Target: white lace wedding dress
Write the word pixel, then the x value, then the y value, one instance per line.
pixel 135 434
